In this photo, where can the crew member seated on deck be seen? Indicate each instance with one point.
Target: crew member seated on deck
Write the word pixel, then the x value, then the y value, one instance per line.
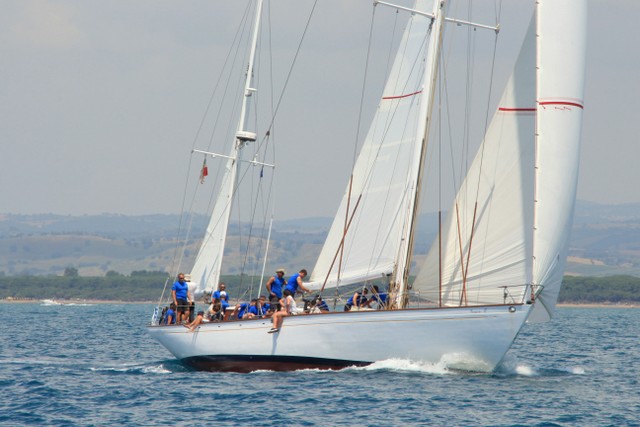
pixel 289 308
pixel 262 307
pixel 215 312
pixel 197 321
pixel 377 297
pixel 357 300
pixel 246 310
pixel 321 305
pixel 170 315
pixel 221 296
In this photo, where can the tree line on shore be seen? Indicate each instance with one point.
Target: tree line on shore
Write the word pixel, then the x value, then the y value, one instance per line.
pixel 148 286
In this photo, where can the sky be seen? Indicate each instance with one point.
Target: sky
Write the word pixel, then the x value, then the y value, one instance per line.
pixel 100 101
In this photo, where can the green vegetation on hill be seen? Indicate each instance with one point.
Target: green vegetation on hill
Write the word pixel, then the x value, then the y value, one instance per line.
pixel 148 285
pixel 139 286
pixel 611 289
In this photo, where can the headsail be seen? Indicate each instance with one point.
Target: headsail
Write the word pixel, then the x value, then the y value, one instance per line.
pixel 524 185
pixel 487 238
pixel 374 207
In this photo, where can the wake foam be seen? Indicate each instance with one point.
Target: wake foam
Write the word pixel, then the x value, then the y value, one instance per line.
pixel 136 369
pixel 449 364
pixel 405 365
pixel 511 366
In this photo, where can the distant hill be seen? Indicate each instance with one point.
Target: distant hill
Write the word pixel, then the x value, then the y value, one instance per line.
pixel 605 241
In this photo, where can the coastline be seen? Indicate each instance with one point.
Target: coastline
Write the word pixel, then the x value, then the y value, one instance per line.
pixel 598 305
pixel 54 301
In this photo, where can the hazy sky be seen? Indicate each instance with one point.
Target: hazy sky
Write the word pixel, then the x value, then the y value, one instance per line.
pixel 101 100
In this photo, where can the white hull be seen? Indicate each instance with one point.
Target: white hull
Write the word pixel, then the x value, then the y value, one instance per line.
pixel 476 338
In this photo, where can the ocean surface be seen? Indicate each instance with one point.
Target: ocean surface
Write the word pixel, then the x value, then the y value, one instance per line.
pixel 85 365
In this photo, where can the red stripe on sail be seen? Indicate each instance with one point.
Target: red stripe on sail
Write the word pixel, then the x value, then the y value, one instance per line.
pixel 402 96
pixel 570 104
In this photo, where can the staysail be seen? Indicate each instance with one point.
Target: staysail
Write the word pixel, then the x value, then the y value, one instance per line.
pixel 374 207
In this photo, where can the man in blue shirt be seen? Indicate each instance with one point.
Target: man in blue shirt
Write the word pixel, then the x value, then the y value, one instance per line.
pixel 170 315
pixel 322 305
pixel 276 284
pixel 295 282
pixel 258 307
pixel 221 296
pixel 379 297
pixel 180 293
pixel 358 300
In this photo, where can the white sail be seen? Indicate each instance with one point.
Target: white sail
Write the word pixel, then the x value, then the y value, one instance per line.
pixel 486 240
pixel 206 269
pixel 561 38
pixel 375 209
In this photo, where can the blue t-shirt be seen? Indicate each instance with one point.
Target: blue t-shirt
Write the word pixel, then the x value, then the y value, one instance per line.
pixel 181 289
pixel 223 298
pixel 243 309
pixel 277 285
pixel 322 305
pixel 361 300
pixel 258 311
pixel 381 298
pixel 171 313
pixel 265 308
pixel 292 284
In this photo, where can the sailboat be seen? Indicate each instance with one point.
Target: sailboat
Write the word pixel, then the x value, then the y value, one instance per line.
pixel 498 258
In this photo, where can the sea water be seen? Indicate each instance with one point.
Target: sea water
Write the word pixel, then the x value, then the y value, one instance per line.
pixel 84 365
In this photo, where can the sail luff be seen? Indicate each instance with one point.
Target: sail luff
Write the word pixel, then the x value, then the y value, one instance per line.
pixel 422 137
pixel 560 86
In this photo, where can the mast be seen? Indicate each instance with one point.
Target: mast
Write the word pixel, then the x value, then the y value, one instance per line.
pixel 206 270
pixel 243 136
pixel 403 264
